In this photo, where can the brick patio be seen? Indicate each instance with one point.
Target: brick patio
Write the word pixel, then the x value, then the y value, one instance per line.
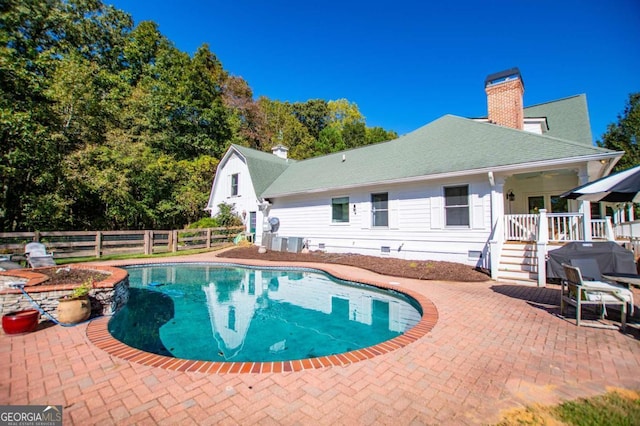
pixel 495 346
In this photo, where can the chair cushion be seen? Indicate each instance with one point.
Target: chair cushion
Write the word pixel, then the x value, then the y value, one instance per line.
pixel 608 292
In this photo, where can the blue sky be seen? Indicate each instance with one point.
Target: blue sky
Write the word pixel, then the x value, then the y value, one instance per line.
pixel 406 63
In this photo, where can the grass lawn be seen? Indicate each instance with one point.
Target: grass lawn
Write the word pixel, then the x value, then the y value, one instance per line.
pixel 618 407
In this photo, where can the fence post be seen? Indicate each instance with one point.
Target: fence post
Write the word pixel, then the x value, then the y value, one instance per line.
pixel 174 247
pixel 208 237
pixel 98 244
pixel 36 236
pixel 146 242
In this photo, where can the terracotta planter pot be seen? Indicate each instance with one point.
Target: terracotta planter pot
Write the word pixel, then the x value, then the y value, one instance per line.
pixel 71 311
pixel 20 322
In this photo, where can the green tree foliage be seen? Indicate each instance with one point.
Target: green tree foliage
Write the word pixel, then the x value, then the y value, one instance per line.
pixel 109 126
pixel 625 134
pixel 227 215
pixel 313 114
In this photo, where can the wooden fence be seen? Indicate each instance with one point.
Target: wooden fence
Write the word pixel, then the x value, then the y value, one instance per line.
pixel 65 244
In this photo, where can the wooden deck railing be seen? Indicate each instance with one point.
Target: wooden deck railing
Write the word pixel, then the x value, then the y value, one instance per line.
pixel 65 244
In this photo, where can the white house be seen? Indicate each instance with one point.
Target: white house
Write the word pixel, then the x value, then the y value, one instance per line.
pixel 456 189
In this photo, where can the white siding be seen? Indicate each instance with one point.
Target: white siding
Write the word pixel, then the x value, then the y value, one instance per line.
pixel 416 221
pixel 246 199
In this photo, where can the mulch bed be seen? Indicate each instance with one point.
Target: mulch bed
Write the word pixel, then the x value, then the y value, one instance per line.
pixel 418 269
pixel 61 275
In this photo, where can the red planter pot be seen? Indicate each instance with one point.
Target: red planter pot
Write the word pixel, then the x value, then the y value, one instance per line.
pixel 20 322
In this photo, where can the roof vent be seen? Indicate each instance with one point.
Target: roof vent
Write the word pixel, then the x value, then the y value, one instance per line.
pixel 280 151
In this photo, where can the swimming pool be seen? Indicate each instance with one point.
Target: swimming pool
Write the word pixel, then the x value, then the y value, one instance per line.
pixel 224 313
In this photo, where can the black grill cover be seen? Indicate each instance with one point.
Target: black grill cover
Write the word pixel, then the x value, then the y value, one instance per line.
pixel 610 257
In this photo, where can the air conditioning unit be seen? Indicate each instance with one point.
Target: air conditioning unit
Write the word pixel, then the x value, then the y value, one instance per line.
pixel 294 244
pixel 279 244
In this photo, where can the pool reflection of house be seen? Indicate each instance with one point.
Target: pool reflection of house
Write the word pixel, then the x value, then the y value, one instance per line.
pixel 231 318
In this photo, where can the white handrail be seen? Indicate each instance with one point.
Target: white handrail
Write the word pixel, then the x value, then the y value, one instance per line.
pixel 565 226
pixel 561 226
pixel 520 227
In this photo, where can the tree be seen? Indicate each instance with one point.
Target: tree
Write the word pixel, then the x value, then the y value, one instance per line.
pixel 343 112
pixel 284 128
pixel 354 134
pixel 625 134
pixel 378 134
pixel 330 140
pixel 107 126
pixel 249 125
pixel 313 114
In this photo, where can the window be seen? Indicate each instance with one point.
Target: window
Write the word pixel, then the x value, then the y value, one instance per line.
pixel 234 185
pixel 536 204
pixel 231 318
pixel 380 210
pixel 559 205
pixel 340 209
pixel 456 205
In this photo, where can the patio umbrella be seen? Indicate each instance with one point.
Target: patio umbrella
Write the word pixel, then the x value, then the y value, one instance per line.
pixel 619 187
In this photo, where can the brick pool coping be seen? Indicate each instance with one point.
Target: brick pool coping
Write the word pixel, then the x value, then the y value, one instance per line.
pixel 99 335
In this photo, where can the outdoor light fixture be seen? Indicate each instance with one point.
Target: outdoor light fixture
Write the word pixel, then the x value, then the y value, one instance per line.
pixel 354 209
pixel 511 196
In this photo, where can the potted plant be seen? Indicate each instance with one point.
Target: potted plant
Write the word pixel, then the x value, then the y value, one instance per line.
pixel 20 321
pixel 76 306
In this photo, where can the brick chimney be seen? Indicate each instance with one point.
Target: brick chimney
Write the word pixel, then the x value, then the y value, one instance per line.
pixel 504 98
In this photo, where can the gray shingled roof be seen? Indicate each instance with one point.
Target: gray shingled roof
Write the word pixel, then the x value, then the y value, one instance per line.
pixel 264 167
pixel 447 145
pixel 567 118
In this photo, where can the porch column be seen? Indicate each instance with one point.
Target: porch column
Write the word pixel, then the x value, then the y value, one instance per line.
pixel 630 212
pixel 497 231
pixel 497 200
pixel 541 246
pixel 584 207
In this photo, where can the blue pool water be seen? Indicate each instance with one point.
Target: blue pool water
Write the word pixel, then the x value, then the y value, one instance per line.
pixel 230 313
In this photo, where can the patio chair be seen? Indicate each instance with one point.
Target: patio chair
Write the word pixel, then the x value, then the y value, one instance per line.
pixel 589 269
pixel 7 263
pixel 37 256
pixel 578 293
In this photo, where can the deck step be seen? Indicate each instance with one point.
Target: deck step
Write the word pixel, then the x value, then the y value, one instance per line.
pixel 518 263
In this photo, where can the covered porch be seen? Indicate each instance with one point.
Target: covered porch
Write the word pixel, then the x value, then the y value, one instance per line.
pixel 531 213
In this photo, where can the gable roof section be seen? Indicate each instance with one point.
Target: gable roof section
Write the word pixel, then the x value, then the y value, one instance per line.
pixel 447 145
pixel 567 118
pixel 263 167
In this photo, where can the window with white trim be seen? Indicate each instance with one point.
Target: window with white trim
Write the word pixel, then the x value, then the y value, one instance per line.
pixel 380 209
pixel 340 210
pixel 456 205
pixel 234 185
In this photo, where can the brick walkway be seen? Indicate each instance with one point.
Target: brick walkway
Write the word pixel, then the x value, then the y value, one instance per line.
pixel 495 346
